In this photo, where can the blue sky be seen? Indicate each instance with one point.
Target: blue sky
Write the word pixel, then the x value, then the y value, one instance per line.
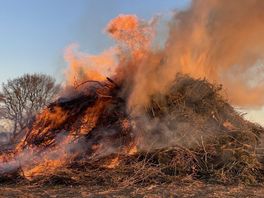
pixel 34 33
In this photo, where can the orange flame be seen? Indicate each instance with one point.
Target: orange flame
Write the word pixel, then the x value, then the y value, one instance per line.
pixel 84 67
pixel 133 150
pixel 113 163
pixel 131 34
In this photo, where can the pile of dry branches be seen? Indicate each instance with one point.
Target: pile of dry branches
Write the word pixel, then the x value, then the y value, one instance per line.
pixel 198 135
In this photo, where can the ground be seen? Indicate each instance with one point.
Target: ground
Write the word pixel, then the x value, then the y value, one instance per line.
pixel 187 189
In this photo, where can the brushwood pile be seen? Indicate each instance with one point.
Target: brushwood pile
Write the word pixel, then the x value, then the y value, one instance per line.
pixel 190 131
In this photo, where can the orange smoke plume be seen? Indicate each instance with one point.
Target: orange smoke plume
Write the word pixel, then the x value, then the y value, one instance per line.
pixel 88 67
pixel 131 34
pixel 214 39
pixel 218 40
pixel 133 39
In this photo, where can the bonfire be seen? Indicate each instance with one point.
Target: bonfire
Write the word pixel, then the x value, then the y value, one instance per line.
pixel 158 118
pixel 90 137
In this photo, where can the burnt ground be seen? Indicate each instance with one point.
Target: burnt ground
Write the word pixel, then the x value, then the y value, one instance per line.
pixel 183 189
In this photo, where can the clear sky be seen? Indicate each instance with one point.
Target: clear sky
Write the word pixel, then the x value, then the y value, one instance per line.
pixel 34 33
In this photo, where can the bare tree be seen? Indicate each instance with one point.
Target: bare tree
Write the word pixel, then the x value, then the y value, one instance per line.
pixel 23 97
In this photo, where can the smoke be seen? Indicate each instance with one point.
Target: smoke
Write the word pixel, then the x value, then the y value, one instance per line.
pixel 34 161
pixel 133 38
pixel 218 40
pixel 84 66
